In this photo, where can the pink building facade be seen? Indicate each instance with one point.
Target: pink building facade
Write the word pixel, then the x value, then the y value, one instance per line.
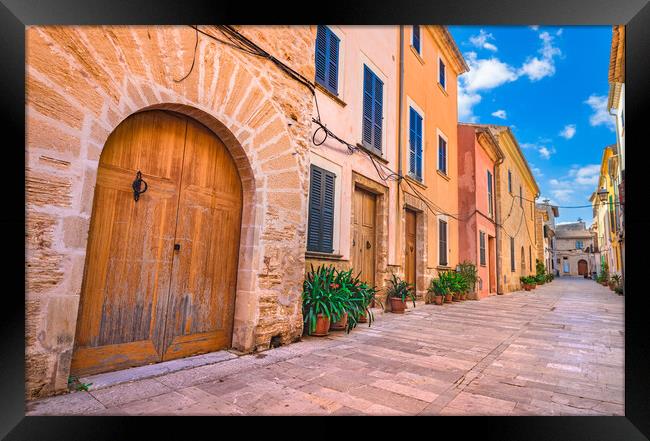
pixel 478 156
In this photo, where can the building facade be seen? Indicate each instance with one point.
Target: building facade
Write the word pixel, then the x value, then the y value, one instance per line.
pixel 516 191
pixel 616 103
pixel 478 156
pixel 545 234
pixel 352 220
pixel 427 153
pixel 574 249
pixel 114 116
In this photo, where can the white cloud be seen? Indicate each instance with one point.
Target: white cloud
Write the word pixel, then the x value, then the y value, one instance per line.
pixel 500 114
pixel 466 101
pixel 600 115
pixel 559 32
pixel 536 68
pixel 546 152
pixel 569 131
pixel 481 40
pixel 486 73
pixel 534 27
pixel 586 174
pixel 536 170
pixel 562 194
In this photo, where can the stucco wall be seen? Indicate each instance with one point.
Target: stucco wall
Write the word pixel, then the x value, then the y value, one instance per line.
pixel 81 83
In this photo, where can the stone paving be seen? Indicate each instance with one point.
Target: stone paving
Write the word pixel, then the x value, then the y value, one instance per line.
pixel 557 350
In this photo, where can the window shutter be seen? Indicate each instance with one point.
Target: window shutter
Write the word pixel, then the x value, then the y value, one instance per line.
pixel 482 247
pixel 378 121
pixel 418 145
pixel 443 242
pixel 442 73
pixel 412 141
pixel 489 186
pixel 509 182
pixel 416 38
pixel 321 49
pixel 512 254
pixel 367 106
pixel 315 210
pixel 328 213
pixel 333 61
pixel 321 211
pixel 442 155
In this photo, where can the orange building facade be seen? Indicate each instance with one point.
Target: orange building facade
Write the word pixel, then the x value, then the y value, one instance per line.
pixel 427 153
pixel 478 156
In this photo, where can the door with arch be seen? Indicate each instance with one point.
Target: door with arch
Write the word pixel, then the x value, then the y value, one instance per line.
pixel 161 266
pixel 582 267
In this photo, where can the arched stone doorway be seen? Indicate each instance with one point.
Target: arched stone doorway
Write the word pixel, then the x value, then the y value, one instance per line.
pixel 582 267
pixel 161 266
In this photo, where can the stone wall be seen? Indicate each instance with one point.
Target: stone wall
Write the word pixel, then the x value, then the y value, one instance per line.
pixel 81 82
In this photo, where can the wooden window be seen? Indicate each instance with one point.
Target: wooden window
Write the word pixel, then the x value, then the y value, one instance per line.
pixel 441 73
pixel 372 110
pixel 482 248
pixel 416 39
pixel 512 254
pixel 489 189
pixel 321 210
pixel 327 59
pixel 509 181
pixel 442 230
pixel 612 215
pixel 442 154
pixel 415 144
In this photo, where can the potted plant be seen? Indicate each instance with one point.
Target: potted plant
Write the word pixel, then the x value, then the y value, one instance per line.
pixel 439 289
pixel 397 294
pixel 470 273
pixel 367 293
pixel 525 282
pixel 322 300
pixel 614 281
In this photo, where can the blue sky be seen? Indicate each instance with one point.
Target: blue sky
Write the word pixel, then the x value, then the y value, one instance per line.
pixel 550 85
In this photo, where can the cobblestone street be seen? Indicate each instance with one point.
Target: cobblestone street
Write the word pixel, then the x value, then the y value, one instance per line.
pixel 557 350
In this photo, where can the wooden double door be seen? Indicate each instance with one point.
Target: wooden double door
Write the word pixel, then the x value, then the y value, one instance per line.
pixel 160 274
pixel 410 247
pixel 364 235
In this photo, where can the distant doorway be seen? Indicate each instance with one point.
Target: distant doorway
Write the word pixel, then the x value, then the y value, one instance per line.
pixel 409 251
pixel 582 267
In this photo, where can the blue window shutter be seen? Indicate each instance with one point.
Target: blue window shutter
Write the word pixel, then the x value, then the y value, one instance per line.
pixel 416 38
pixel 315 211
pixel 333 62
pixel 418 145
pixel 377 114
pixel 367 106
pixel 321 54
pixel 321 211
pixel 442 73
pixel 412 136
pixel 328 213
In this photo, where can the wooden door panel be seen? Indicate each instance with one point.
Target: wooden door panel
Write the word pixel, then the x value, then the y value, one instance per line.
pixel 127 272
pixel 204 276
pixel 410 247
pixel 364 235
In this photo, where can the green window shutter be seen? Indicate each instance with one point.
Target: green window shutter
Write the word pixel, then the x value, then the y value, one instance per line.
pixel 320 229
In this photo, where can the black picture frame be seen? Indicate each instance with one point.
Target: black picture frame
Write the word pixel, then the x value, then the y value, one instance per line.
pixel 16 14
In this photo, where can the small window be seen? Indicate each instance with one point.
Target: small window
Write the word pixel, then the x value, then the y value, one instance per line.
pixel 320 231
pixel 443 243
pixel 530 258
pixel 482 248
pixel 489 190
pixel 521 198
pixel 509 182
pixel 512 254
pixel 373 89
pixel 579 245
pixel 415 144
pixel 416 39
pixel 441 73
pixel 442 154
pixel 327 59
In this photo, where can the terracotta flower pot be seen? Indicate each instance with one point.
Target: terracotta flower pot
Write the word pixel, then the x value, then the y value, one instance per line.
pixel 363 318
pixel 527 287
pixel 341 324
pixel 322 326
pixel 397 305
pixel 438 300
pixel 448 298
pixel 463 296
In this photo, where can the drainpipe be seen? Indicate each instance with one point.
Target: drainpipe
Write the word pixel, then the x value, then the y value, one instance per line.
pixel 497 221
pixel 399 129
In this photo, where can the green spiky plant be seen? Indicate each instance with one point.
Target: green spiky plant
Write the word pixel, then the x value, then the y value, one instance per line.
pixel 321 295
pixel 400 289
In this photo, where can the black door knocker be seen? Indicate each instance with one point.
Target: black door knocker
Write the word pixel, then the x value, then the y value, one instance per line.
pixel 137 184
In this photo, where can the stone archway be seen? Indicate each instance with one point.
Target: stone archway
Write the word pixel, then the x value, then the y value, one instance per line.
pixel 81 83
